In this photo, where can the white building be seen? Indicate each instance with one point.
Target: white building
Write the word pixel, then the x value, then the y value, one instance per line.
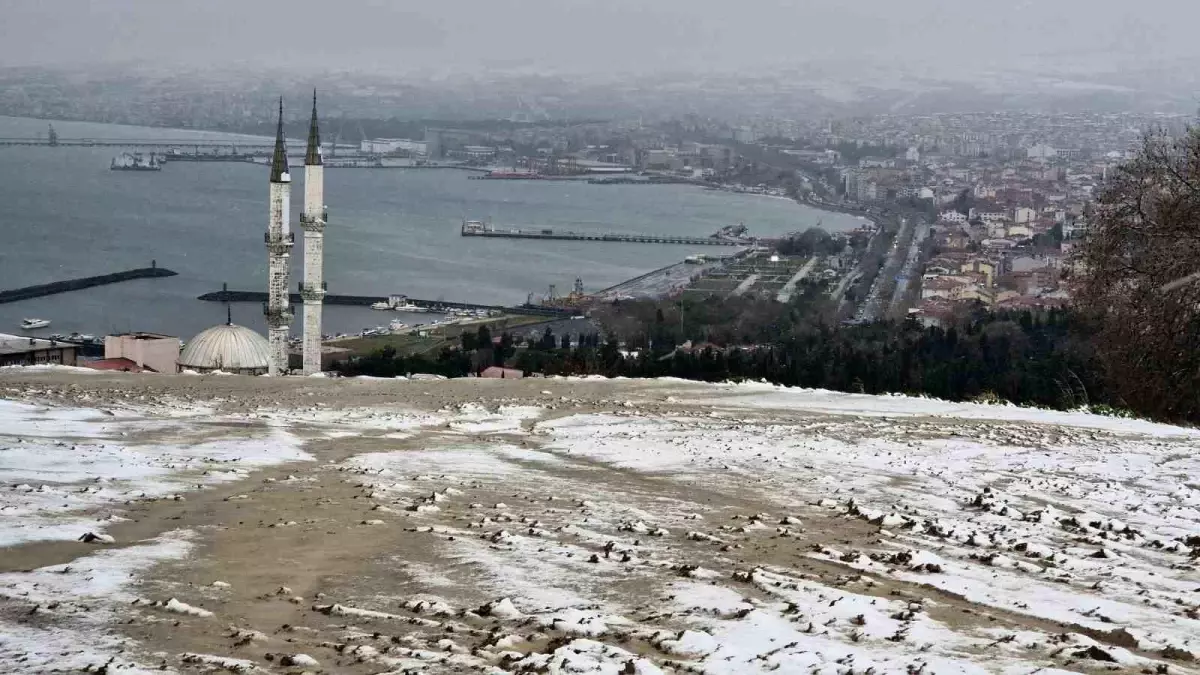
pixel 744 135
pixel 383 146
pixel 155 352
pixel 1021 231
pixel 475 152
pixel 1041 151
pixel 1022 215
pixel 952 216
pixel 1074 228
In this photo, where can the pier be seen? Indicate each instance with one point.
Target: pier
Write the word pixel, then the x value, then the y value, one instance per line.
pixel 475 230
pixel 529 176
pixel 368 300
pixel 40 290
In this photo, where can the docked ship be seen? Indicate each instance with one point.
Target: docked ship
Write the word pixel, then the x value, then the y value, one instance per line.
pixel 406 306
pixel 398 303
pixel 135 161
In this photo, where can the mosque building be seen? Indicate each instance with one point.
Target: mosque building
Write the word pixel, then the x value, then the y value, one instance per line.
pixel 227 348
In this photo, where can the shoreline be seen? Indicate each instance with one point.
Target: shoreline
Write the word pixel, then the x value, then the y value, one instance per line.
pixel 193 130
pixel 707 186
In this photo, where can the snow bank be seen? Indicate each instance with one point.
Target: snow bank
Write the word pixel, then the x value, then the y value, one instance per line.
pixel 60 466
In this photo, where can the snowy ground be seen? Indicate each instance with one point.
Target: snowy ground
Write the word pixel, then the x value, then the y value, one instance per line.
pixel 595 527
pixel 63 470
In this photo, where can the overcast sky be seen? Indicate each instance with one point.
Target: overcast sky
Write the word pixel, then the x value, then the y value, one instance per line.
pixel 600 35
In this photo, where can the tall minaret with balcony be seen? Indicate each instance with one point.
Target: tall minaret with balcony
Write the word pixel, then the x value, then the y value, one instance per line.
pixel 279 239
pixel 312 289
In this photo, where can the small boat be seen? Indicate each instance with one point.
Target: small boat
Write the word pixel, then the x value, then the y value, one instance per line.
pixel 409 307
pixel 34 324
pixel 383 304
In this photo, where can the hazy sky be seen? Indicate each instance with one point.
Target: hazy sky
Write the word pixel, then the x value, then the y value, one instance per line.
pixel 600 35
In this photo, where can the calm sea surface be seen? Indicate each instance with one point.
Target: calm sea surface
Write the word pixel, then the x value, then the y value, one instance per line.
pixel 67 215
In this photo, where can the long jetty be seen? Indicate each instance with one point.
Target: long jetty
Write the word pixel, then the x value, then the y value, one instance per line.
pixel 246 144
pixel 610 237
pixel 368 300
pixel 40 290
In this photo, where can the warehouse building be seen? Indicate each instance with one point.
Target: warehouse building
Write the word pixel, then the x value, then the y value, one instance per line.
pixel 26 351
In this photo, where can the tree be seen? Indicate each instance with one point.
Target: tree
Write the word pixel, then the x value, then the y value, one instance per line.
pixel 469 341
pixel 1143 241
pixel 963 203
pixel 812 241
pixel 506 349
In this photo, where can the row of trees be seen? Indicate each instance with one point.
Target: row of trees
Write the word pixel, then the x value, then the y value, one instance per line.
pixel 1041 359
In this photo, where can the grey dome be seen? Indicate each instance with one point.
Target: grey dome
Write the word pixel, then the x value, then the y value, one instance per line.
pixel 230 348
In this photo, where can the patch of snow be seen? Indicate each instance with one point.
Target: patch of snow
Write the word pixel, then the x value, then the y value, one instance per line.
pixel 87 594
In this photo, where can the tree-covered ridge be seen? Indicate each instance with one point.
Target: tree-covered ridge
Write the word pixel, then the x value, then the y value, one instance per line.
pixel 1042 359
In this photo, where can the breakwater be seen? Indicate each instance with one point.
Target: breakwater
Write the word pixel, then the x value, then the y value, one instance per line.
pixel 68 285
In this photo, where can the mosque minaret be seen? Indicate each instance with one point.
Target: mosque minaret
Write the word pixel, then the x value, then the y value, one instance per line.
pixel 279 239
pixel 312 220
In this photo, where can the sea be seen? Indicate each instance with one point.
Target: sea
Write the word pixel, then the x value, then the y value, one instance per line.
pixel 390 231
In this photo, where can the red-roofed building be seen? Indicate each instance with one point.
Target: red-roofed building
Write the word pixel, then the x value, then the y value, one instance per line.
pixel 117 364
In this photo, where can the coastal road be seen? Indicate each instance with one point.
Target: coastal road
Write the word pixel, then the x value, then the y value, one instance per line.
pixel 880 294
pixel 910 270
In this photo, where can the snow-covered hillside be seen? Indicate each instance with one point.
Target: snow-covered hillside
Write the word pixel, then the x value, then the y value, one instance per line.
pixel 586 527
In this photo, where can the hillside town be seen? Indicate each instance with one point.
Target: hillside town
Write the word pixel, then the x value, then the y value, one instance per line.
pixel 1006 195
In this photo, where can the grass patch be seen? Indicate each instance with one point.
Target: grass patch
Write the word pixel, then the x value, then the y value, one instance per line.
pixel 410 344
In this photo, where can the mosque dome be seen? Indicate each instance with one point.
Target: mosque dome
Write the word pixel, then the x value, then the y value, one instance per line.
pixel 228 348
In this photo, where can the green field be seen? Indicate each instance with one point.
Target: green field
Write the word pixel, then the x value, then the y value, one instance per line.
pixel 411 344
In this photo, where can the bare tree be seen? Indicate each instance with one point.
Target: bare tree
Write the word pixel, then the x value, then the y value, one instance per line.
pixel 1142 246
